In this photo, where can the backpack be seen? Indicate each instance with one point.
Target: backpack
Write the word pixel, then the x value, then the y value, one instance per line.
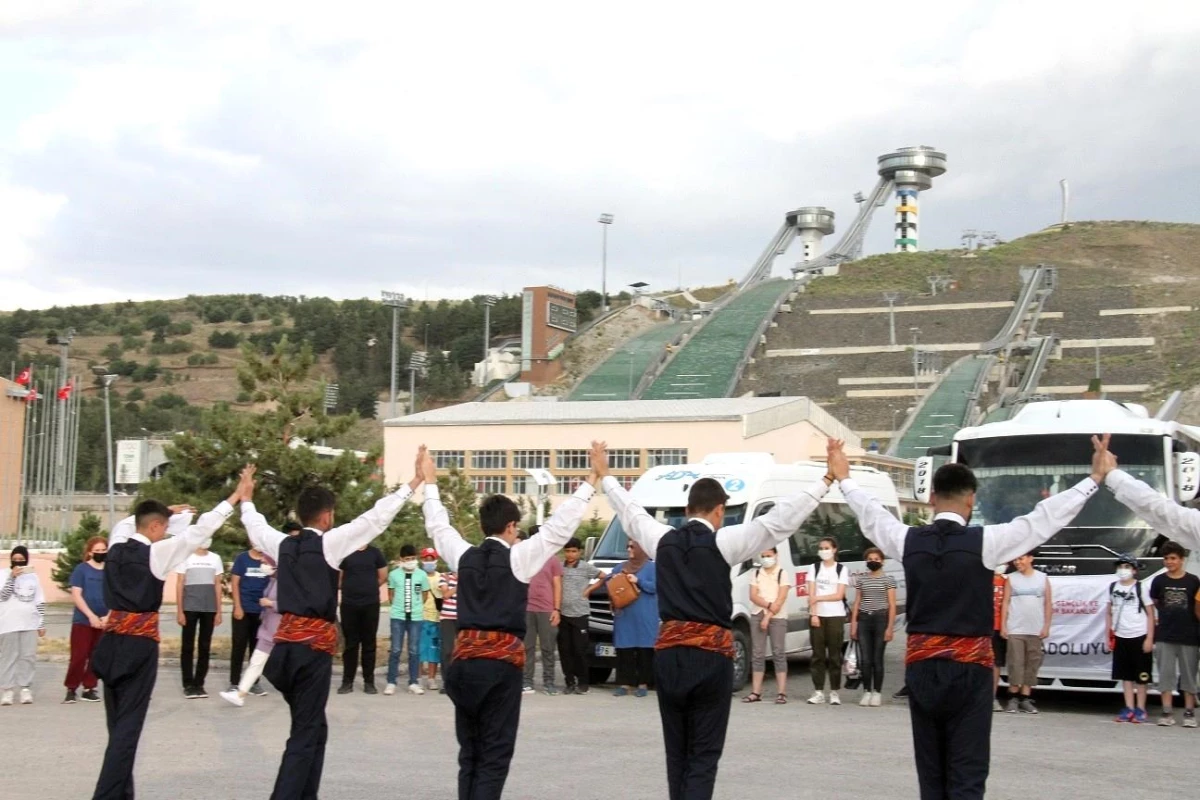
pixel 1112 590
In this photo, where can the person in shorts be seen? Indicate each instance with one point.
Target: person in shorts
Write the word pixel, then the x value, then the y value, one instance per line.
pixel 1131 632
pixel 1025 623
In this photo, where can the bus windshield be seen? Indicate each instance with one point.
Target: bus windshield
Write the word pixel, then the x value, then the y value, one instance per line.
pixel 612 546
pixel 1015 473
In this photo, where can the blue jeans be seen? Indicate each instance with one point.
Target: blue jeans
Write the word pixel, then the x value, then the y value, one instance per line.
pixel 399 628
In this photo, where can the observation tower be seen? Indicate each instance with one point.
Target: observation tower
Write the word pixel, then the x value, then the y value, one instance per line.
pixel 812 224
pixel 911 169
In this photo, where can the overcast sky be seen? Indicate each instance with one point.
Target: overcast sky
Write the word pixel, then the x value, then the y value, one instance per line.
pixel 154 148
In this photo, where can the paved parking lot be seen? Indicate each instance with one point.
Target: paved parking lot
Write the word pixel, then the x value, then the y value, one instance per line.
pixel 580 748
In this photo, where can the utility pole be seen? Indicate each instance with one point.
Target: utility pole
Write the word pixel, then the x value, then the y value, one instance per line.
pixel 916 387
pixel 397 301
pixel 108 378
pixel 488 302
pixel 891 298
pixel 416 363
pixel 605 220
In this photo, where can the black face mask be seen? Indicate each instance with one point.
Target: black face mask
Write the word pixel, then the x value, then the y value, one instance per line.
pixel 874 566
pixel 18 564
pixel 99 557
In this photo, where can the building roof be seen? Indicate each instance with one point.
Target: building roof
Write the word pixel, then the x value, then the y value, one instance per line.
pixel 758 414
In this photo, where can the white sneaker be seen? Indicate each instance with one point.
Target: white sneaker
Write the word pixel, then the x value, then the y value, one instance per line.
pixel 876 699
pixel 26 696
pixel 834 700
pixel 415 688
pixel 7 698
pixel 233 698
pixel 390 689
pixel 432 684
pixel 818 698
pixel 866 699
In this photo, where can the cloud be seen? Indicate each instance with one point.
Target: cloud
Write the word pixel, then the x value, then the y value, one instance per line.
pixel 287 148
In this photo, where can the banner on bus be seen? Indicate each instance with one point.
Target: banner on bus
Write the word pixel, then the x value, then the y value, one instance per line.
pixel 1078 636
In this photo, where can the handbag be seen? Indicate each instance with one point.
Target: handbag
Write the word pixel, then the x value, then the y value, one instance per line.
pixel 853 675
pixel 621 590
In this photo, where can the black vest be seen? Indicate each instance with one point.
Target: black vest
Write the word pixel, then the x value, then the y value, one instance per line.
pixel 306 585
pixel 949 588
pixel 129 585
pixel 490 598
pixel 694 583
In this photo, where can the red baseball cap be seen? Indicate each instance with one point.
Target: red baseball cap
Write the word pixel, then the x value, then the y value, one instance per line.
pixel 428 553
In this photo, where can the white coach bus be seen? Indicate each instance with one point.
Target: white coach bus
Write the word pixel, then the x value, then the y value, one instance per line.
pixel 754 483
pixel 1046 448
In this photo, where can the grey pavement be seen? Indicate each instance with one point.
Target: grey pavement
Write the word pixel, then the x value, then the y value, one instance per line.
pixel 581 748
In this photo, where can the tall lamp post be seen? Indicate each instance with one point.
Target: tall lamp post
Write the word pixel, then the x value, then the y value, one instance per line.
pixel 108 378
pixel 397 301
pixel 915 331
pixel 416 363
pixel 605 220
pixel 890 298
pixel 488 302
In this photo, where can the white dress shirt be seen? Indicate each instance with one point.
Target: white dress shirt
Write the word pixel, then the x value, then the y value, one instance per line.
pixel 737 543
pixel 529 555
pixel 1001 543
pixel 337 543
pixel 182 540
pixel 1166 516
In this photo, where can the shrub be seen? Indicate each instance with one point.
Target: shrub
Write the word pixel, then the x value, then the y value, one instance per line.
pixel 224 340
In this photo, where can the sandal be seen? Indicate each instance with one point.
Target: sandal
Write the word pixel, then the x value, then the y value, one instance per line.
pixel 780 699
pixel 753 697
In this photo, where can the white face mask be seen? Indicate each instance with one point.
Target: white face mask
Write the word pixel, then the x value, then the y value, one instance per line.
pixel 408 566
pixel 825 554
pixel 1000 570
pixel 267 570
pixel 768 561
pixel 1124 573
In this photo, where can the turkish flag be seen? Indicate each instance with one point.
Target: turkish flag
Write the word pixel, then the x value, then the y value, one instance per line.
pixel 24 377
pixel 65 392
pixel 33 395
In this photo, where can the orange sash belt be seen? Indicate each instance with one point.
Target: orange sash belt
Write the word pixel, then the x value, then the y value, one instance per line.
pixel 496 645
pixel 133 623
pixel 964 649
pixel 677 633
pixel 319 634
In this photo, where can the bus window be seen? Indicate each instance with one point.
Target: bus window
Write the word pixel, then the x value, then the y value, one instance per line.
pixel 830 519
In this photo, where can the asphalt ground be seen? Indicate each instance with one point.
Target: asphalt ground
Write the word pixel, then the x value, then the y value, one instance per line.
pixel 582 748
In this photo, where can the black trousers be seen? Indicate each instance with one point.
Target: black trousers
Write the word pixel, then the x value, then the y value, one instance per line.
pixel 487 712
pixel 635 666
pixel 573 650
pixel 128 665
pixel 245 632
pixel 197 622
pixel 950 704
pixel 360 627
pixel 871 645
pixel 694 693
pixel 302 676
pixel 449 634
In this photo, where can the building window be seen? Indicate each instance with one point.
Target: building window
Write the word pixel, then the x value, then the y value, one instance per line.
pixel 490 484
pixel 569 485
pixel 573 459
pixel 625 459
pixel 666 457
pixel 489 459
pixel 523 484
pixel 626 481
pixel 444 459
pixel 531 459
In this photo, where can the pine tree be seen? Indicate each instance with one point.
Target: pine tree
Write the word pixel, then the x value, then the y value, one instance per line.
pixel 72 556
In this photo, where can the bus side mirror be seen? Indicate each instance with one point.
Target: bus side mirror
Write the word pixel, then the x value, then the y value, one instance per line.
pixel 589 548
pixel 1187 476
pixel 923 478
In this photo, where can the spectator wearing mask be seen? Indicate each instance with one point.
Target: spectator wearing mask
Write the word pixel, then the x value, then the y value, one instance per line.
pixel 87 623
pixel 247 584
pixel 573 646
pixel 449 620
pixel 1173 594
pixel 407 587
pixel 872 623
pixel 22 623
pixel 264 644
pixel 827 582
pixel 768 596
pixel 1131 631
pixel 198 611
pixel 635 627
pixel 542 612
pixel 363 572
pixel 431 632
pixel 1025 623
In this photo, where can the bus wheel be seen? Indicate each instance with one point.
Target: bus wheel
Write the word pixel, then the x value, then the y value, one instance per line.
pixel 741 655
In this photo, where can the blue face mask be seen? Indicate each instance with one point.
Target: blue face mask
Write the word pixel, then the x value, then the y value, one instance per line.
pixel 429 566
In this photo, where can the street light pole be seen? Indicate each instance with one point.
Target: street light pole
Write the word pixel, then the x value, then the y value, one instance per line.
pixel 891 298
pixel 605 220
pixel 416 363
pixel 397 302
pixel 107 377
pixel 488 302
pixel 915 333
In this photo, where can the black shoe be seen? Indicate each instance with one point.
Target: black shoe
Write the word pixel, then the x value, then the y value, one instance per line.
pixel 581 690
pixel 201 694
pixel 257 690
pixel 89 696
pixel 70 698
pixel 369 688
pixel 569 689
pixel 189 693
pixel 902 694
pixel 346 688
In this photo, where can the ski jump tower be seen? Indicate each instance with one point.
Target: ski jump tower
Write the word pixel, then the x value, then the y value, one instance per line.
pixel 910 170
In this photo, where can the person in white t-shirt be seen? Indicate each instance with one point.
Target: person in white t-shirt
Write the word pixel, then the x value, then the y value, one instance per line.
pixel 198 610
pixel 1025 622
pixel 1131 632
pixel 827 582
